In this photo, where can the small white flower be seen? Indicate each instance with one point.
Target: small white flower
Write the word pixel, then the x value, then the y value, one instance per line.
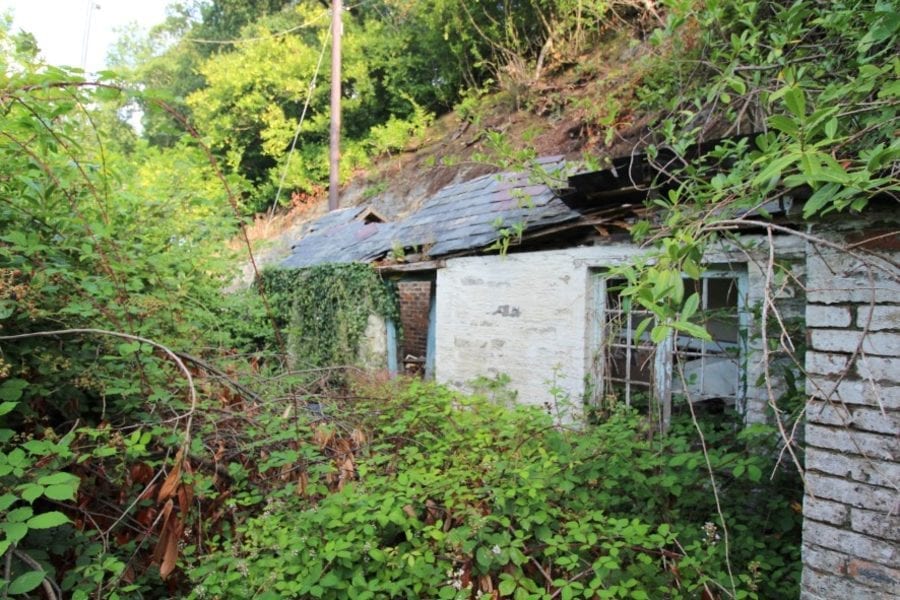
pixel 496 549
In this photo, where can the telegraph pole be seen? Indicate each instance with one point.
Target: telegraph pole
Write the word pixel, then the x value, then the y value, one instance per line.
pixel 335 148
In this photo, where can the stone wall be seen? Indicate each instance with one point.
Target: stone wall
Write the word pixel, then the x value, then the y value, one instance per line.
pixel 531 316
pixel 851 532
pixel 521 315
pixel 786 277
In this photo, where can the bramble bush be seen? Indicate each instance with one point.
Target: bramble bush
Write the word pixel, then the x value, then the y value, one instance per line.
pixel 423 493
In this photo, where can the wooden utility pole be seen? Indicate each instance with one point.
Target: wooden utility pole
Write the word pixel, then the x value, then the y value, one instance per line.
pixel 335 154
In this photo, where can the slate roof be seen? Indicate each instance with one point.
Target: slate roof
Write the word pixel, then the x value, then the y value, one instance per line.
pixel 460 217
pixel 340 237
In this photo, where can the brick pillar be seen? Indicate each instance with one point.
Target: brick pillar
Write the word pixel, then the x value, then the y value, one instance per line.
pixel 851 528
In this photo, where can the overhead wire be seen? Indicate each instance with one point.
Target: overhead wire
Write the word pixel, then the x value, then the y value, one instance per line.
pixel 312 86
pixel 260 38
pixel 312 83
pixel 276 34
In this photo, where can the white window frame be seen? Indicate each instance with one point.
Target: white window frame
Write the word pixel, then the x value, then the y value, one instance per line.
pixel 664 352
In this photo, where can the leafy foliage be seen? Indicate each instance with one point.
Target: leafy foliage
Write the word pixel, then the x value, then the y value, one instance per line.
pixel 326 310
pixel 245 73
pixel 816 82
pixel 444 496
pixel 99 232
pixel 792 101
pixel 406 491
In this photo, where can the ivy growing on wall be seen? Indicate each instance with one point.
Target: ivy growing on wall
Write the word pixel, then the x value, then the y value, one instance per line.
pixel 325 310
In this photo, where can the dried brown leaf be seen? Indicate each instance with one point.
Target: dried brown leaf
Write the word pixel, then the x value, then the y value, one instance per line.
pixel 358 437
pixel 172 481
pixel 170 554
pixel 302 484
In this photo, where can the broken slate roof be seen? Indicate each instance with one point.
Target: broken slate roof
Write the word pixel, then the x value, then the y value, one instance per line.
pixel 460 217
pixel 470 215
pixel 341 236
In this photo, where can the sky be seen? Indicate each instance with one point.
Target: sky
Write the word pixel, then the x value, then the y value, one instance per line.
pixel 60 25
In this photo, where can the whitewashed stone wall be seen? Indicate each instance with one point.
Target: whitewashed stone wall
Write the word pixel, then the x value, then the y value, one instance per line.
pixel 523 315
pixel 529 315
pixel 851 533
pixel 786 278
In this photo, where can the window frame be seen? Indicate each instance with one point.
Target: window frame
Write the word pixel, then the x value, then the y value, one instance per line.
pixel 662 370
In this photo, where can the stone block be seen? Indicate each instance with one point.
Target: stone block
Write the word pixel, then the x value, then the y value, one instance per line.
pixel 842 290
pixel 818 585
pixel 827 413
pixel 851 493
pixel 878 524
pixel 827 266
pixel 849 341
pixel 867 419
pixel 823 363
pixel 881 396
pixel 880 577
pixel 858 468
pixel 848 542
pixel 874 445
pixel 878 368
pixel 859 418
pixel 818 315
pixel 823 559
pixel 877 318
pixel 820 509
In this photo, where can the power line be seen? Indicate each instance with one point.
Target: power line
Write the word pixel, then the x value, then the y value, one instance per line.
pixel 312 85
pixel 85 39
pixel 305 25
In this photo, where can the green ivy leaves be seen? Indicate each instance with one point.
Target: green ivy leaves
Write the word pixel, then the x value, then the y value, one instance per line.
pixel 326 309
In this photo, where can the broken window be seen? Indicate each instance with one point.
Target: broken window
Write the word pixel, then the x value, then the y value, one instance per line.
pixel 711 370
pixel 631 369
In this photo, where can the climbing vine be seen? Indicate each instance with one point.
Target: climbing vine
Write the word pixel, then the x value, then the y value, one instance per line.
pixel 325 310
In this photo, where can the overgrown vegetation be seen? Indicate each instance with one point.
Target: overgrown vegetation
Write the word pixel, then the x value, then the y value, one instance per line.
pixel 414 492
pixel 325 311
pixel 153 445
pixel 804 97
pixel 246 73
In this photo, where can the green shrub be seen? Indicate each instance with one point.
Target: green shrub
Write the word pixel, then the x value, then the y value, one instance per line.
pixel 452 497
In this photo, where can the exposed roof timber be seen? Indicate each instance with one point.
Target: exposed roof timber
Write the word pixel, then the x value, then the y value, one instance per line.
pixel 405 270
pixel 630 178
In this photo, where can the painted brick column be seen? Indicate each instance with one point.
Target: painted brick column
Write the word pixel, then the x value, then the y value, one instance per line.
pixel 851 529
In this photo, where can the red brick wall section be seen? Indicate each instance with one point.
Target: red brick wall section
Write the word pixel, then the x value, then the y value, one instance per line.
pixel 415 298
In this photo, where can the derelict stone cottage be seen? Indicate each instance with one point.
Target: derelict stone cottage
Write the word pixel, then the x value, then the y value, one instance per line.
pixel 512 276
